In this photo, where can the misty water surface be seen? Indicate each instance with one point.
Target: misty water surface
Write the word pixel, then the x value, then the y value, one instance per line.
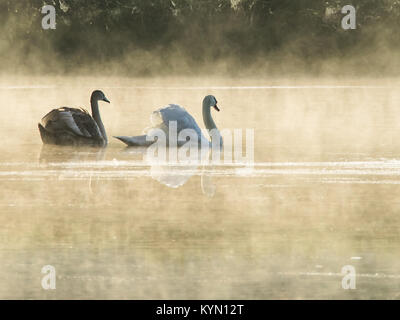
pixel 323 193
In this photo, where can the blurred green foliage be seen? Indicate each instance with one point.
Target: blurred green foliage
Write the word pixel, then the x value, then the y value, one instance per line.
pixel 195 31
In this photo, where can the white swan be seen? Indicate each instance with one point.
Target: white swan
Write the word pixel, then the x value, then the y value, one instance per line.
pixel 161 120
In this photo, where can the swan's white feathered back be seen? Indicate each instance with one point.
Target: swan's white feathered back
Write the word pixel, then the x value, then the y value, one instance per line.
pixel 162 117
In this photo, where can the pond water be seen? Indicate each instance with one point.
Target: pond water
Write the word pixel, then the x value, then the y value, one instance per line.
pixel 322 194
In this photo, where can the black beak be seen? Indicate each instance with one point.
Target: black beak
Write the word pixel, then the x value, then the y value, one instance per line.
pixel 216 108
pixel 106 100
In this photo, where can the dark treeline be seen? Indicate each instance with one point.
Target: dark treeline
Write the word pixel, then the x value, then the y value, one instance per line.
pixel 146 36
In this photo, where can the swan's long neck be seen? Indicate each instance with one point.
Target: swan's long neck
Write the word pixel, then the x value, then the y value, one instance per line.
pixel 208 120
pixel 97 118
pixel 209 123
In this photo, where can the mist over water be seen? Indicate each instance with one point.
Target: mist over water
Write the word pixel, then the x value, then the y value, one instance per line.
pixel 251 38
pixel 322 193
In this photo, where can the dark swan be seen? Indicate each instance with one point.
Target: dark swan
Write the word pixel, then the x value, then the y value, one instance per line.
pixel 75 127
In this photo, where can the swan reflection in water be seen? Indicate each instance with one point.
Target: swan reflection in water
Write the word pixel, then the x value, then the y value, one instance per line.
pixel 63 154
pixel 87 163
pixel 175 175
pixel 68 157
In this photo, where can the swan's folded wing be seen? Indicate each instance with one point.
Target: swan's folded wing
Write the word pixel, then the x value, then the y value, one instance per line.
pixel 76 121
pixel 176 113
pixel 86 124
pixel 156 118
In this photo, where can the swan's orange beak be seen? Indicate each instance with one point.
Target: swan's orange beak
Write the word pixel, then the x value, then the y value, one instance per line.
pixel 216 108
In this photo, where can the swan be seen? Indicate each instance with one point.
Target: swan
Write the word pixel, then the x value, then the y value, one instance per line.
pixel 69 126
pixel 161 119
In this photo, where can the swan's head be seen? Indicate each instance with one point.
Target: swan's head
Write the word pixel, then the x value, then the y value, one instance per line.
pixel 210 101
pixel 98 95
